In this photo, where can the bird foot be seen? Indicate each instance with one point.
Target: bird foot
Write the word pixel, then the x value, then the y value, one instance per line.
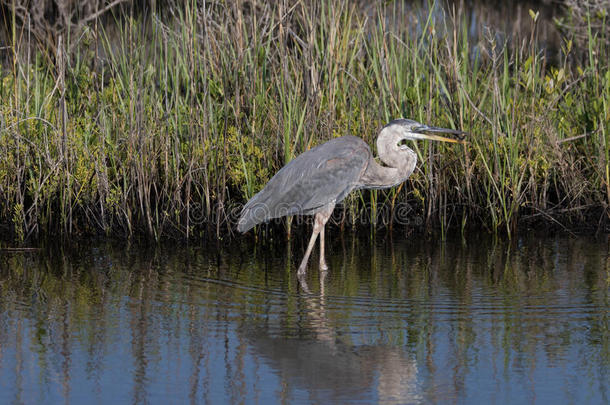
pixel 323 265
pixel 302 271
pixel 303 283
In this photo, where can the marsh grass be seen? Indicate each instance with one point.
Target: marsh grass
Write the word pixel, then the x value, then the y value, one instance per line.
pixel 164 127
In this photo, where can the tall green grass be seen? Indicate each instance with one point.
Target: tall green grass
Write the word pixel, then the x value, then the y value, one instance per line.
pixel 164 127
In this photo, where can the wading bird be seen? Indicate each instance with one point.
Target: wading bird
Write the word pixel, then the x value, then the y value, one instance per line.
pixel 316 180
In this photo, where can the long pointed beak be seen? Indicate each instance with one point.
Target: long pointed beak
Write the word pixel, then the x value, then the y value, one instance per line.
pixel 417 133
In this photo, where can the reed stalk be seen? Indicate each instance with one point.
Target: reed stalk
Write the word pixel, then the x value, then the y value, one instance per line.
pixel 161 123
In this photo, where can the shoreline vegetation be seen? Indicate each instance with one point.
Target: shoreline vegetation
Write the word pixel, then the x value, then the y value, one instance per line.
pixel 164 121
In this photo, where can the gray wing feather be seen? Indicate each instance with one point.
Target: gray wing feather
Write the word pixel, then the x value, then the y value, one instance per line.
pixel 324 174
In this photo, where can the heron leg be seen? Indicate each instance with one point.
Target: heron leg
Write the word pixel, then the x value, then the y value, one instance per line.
pixel 303 266
pixel 322 218
pixel 318 227
pixel 323 265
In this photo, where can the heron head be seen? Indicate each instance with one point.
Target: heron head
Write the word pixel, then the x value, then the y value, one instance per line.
pixel 403 129
pixel 392 144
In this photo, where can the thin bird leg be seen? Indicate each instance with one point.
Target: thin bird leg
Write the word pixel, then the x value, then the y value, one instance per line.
pixel 303 266
pixel 322 218
pixel 323 266
pixel 318 226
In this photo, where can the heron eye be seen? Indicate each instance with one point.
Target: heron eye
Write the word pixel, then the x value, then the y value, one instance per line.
pixel 403 143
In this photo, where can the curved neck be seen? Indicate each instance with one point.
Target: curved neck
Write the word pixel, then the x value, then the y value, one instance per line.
pixel 387 148
pixel 378 176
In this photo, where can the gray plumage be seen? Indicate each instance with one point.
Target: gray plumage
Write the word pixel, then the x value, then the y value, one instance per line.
pixel 316 180
pixel 324 174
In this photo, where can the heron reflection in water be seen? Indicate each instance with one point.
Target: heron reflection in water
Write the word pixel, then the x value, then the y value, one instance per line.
pixel 315 181
pixel 315 352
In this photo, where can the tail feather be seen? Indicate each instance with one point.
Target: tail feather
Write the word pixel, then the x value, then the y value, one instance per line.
pixel 245 222
pixel 252 215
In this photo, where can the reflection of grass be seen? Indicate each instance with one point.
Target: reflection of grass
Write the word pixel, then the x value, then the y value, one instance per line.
pixel 197 111
pixel 544 295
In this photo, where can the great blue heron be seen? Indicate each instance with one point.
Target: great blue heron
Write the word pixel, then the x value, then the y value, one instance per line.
pixel 316 180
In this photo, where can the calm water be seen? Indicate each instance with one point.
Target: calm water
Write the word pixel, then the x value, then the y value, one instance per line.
pixel 394 321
